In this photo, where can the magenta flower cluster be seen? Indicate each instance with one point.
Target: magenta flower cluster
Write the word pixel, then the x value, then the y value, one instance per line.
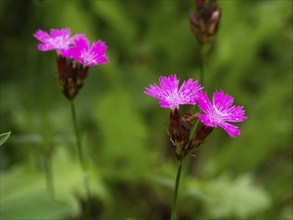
pixel 216 113
pixel 76 47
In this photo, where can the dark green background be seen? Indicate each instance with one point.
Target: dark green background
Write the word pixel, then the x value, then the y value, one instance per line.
pixel 132 166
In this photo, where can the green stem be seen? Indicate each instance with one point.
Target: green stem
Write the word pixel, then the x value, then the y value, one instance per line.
pixel 174 207
pixel 79 150
pixel 78 142
pixel 201 77
pixel 201 73
pixel 49 175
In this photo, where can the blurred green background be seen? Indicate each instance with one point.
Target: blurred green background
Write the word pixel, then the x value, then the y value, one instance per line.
pixel 132 166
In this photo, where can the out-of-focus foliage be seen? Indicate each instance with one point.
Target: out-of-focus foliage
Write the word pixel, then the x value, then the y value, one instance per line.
pixel 132 167
pixel 4 137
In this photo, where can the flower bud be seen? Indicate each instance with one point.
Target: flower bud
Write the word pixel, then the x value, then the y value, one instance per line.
pixel 174 129
pixel 205 21
pixel 70 76
pixel 179 132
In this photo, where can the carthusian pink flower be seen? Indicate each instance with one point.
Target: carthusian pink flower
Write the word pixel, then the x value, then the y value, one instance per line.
pixel 57 40
pixel 85 54
pixel 169 94
pixel 74 57
pixel 221 111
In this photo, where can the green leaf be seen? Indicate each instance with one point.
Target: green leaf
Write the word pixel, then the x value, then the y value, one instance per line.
pixel 123 146
pixel 239 197
pixel 4 137
pixel 26 197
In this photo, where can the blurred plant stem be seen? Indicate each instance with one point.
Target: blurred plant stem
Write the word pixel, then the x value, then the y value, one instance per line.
pixel 174 207
pixel 80 155
pixel 201 73
pixel 49 175
pixel 202 63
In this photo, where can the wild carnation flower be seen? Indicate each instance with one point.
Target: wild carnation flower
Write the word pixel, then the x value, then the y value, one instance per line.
pixel 86 54
pixel 57 40
pixel 75 56
pixel 220 112
pixel 170 96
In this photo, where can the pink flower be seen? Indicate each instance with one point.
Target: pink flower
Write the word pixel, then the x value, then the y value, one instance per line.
pixel 170 96
pixel 57 40
pixel 220 112
pixel 84 54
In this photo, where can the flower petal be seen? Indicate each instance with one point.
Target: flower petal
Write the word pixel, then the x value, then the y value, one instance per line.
pixel 45 47
pixel 86 55
pixel 204 103
pixel 64 32
pixel 97 53
pixel 189 91
pixel 155 91
pixel 222 101
pixel 206 119
pixel 232 130
pixel 41 35
pixel 169 95
pixel 59 39
pixel 99 48
pixel 221 112
pixel 235 114
pixel 81 43
pixel 166 104
pixel 169 84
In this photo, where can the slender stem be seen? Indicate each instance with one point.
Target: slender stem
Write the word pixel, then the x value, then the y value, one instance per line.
pixel 201 73
pixel 201 77
pixel 174 207
pixel 79 150
pixel 49 175
pixel 78 142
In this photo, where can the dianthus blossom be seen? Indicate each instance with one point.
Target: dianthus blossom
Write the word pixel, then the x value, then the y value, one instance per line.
pixel 169 94
pixel 220 112
pixel 74 57
pixel 85 54
pixel 56 40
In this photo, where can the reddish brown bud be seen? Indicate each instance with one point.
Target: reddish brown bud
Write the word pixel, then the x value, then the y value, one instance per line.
pixel 188 120
pixel 199 3
pixel 205 21
pixel 174 126
pixel 179 132
pixel 70 76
